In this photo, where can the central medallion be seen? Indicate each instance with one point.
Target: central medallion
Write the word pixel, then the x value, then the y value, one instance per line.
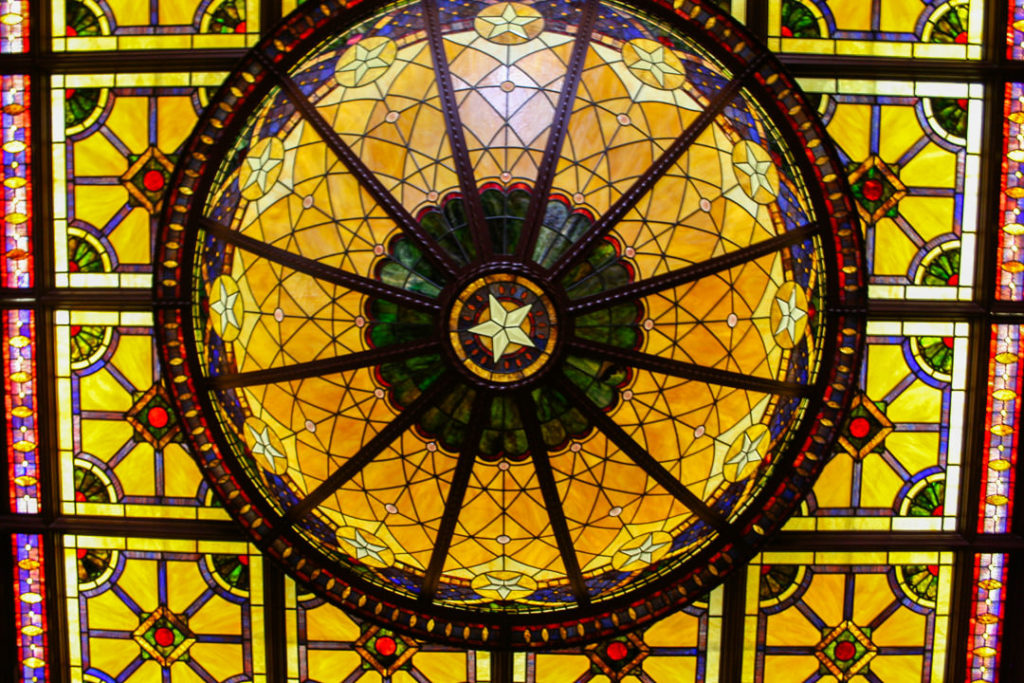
pixel 503 328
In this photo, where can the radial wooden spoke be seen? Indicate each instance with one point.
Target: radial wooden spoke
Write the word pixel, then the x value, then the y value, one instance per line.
pixel 654 469
pixel 367 178
pixel 327 366
pixel 559 131
pixel 456 495
pixel 684 370
pixel 552 500
pixel 320 271
pixel 477 221
pixel 658 169
pixel 374 447
pixel 682 276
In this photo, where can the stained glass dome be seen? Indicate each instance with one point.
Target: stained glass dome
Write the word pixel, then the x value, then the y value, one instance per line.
pixel 514 323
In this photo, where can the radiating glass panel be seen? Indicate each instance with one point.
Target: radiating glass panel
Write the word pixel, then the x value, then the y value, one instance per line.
pixel 912 152
pixel 116 140
pixel 947 29
pixel 163 610
pixel 121 447
pixel 847 617
pixel 897 463
pixel 155 25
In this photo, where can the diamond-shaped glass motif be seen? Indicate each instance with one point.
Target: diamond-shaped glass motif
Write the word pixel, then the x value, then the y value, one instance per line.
pixel 865 429
pixel 384 651
pixel 152 417
pixel 164 637
pixel 877 188
pixel 147 178
pixel 845 650
pixel 619 657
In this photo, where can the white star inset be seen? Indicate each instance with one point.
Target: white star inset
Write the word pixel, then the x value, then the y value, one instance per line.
pixel 264 447
pixel 791 313
pixel 643 552
pixel 260 168
pixel 364 548
pixel 224 307
pixel 505 327
pixel 748 452
pixel 503 587
pixel 365 59
pixel 509 22
pixel 757 171
pixel 654 62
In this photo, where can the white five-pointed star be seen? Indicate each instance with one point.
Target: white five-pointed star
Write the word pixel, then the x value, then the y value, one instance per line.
pixel 366 59
pixel 260 168
pixel 643 552
pixel 364 548
pixel 505 327
pixel 748 452
pixel 757 171
pixel 503 587
pixel 224 307
pixel 654 61
pixel 264 447
pixel 791 313
pixel 509 22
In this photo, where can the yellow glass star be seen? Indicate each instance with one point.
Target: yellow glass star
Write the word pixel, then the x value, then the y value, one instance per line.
pixel 504 328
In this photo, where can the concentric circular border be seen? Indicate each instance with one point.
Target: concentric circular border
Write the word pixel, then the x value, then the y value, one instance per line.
pixel 788 109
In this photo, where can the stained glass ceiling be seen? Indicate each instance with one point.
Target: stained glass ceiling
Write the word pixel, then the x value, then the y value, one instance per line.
pixel 125 564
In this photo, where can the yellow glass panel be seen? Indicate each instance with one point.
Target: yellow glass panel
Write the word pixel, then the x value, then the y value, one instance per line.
pixel 115 142
pixel 847 616
pixel 121 447
pixel 146 608
pixel 161 25
pixel 897 464
pixel 888 28
pixel 912 153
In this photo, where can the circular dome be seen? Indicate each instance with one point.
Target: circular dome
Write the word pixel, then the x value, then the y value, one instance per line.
pixel 515 324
